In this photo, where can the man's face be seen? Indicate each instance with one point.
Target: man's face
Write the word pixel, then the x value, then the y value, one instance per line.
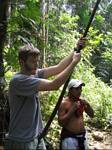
pixel 76 92
pixel 31 64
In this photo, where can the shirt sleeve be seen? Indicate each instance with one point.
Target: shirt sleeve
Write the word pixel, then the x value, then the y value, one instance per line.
pixel 40 73
pixel 25 86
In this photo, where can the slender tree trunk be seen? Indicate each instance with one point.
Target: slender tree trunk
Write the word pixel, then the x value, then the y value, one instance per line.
pixel 42 33
pixel 42 40
pixel 47 29
pixel 3 28
pixel 43 29
pixel 46 33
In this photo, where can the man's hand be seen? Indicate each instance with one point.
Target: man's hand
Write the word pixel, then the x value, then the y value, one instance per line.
pixel 81 43
pixel 88 108
pixel 76 105
pixel 76 57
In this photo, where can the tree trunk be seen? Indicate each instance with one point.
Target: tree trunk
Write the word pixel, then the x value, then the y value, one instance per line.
pixel 43 29
pixel 3 29
pixel 47 28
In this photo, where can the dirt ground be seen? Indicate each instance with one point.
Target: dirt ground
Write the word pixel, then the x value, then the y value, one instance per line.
pixel 1 147
pixel 99 139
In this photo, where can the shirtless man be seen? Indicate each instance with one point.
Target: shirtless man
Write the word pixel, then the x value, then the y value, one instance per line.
pixel 70 117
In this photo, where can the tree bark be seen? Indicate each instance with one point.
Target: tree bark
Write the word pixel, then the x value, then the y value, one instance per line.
pixel 3 29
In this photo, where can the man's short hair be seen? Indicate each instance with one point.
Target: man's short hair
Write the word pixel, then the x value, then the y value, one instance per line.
pixel 27 50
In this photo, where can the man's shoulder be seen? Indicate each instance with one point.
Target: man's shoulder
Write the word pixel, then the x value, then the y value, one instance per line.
pixel 19 78
pixel 16 77
pixel 66 100
pixel 66 103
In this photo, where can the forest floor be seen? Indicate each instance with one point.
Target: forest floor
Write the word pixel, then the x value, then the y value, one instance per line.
pixel 99 139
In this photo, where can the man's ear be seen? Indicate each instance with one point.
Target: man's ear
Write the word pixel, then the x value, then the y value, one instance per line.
pixel 21 62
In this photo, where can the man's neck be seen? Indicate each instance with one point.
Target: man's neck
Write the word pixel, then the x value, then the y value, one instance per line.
pixel 73 98
pixel 25 72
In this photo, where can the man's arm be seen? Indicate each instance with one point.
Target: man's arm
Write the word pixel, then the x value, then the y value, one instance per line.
pixel 47 85
pixel 88 109
pixel 54 70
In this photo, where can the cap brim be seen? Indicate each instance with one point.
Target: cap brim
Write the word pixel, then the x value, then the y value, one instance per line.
pixel 81 84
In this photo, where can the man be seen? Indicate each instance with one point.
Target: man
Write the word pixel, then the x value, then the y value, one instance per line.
pixel 70 117
pixel 25 115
